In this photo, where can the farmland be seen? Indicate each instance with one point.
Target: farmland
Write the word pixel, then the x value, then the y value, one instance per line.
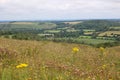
pixel 109 33
pixel 91 32
pixel 73 22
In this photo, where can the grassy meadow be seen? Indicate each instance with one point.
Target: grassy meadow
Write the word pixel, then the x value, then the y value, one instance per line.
pixel 47 60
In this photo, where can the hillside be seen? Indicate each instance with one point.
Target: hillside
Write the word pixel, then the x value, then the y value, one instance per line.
pixel 47 60
pixel 99 25
pixel 105 33
pixel 11 26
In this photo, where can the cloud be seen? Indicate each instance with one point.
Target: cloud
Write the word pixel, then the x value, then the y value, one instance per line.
pixel 3 1
pixel 59 9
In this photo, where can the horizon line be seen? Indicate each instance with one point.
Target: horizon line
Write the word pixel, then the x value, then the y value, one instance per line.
pixel 59 19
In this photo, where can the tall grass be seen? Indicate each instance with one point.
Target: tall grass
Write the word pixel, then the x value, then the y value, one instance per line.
pixel 57 61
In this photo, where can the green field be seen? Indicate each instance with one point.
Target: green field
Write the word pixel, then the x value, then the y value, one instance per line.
pixel 114 27
pixel 64 28
pixel 52 31
pixel 88 30
pixel 88 37
pixel 86 40
pixel 93 41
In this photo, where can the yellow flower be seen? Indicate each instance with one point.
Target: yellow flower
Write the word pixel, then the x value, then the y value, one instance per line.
pixel 75 49
pixel 104 66
pixel 21 65
pixel 102 49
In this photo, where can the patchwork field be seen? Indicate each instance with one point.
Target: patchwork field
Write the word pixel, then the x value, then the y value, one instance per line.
pixel 46 60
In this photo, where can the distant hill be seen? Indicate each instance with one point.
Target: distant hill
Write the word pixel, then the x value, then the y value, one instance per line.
pixel 26 25
pixel 97 24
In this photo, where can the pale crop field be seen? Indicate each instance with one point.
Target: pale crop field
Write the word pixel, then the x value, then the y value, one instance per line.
pixel 73 23
pixel 45 60
pixel 109 33
pixel 115 27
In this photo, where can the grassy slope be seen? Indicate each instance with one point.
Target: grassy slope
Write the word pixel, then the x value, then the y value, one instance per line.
pixel 31 25
pixel 56 61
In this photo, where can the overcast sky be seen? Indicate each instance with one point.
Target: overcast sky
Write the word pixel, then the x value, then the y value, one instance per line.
pixel 59 9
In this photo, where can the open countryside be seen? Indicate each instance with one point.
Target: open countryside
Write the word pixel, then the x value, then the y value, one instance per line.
pixel 56 50
pixel 59 39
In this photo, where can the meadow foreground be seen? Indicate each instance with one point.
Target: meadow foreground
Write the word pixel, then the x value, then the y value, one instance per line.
pixel 46 60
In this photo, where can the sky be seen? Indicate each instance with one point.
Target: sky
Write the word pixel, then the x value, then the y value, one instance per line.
pixel 59 9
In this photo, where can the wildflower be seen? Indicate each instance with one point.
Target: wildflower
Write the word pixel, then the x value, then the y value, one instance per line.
pixel 104 66
pixel 75 49
pixel 21 65
pixel 102 52
pixel 102 49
